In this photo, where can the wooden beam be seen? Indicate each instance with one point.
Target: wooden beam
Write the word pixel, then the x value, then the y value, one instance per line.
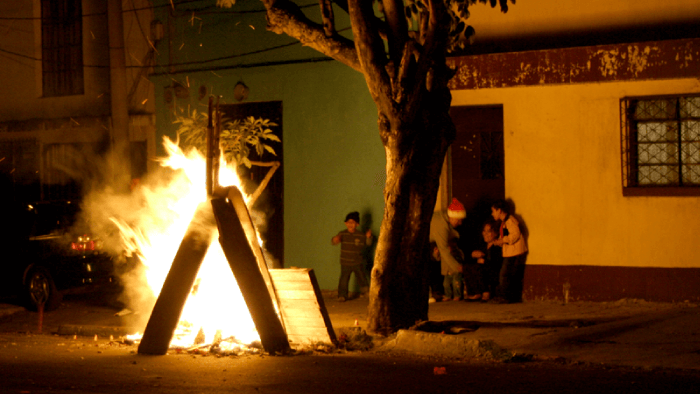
pixel 210 184
pixel 236 199
pixel 248 270
pixel 178 284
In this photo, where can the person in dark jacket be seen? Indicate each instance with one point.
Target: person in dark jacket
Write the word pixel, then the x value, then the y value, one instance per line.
pixel 483 274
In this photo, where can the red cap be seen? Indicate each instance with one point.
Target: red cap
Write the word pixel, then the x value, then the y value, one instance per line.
pixel 456 210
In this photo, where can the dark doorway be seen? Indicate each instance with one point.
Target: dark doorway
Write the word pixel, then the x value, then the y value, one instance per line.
pixel 268 211
pixel 477 165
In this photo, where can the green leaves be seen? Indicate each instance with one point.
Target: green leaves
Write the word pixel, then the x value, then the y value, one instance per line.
pixel 237 137
pixel 192 131
pixel 461 34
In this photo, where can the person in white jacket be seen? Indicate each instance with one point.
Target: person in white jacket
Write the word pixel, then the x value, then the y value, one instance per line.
pixel 515 250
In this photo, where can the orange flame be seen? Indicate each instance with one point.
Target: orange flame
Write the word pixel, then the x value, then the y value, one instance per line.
pixel 215 306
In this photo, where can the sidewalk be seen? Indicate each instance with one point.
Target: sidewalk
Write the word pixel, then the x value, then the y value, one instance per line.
pixel 626 332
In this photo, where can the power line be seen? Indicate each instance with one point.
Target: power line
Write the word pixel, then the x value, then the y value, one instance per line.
pixel 134 9
pixel 171 64
pixel 198 62
pixel 246 65
pixel 233 56
pixel 30 18
pixel 185 63
pixel 19 54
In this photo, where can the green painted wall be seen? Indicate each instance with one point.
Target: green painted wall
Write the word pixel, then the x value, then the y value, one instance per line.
pixel 333 158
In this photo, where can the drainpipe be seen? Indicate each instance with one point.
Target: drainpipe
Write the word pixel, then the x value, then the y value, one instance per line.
pixel 118 94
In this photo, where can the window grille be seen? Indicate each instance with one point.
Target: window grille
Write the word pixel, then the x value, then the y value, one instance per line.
pixel 61 47
pixel 661 145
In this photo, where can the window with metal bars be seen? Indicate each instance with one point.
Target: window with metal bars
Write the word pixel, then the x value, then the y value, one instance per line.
pixel 661 145
pixel 61 47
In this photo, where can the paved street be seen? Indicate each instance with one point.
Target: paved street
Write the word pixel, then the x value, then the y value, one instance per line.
pixel 57 364
pixel 627 346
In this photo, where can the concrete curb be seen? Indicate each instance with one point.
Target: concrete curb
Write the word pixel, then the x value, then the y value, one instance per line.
pixel 6 309
pixel 89 331
pixel 443 345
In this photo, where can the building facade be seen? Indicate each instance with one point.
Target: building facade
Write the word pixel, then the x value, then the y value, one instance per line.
pixel 545 92
pixel 601 145
pixel 76 92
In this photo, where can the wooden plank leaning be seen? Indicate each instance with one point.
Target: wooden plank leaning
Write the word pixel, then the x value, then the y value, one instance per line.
pixel 178 284
pixel 245 258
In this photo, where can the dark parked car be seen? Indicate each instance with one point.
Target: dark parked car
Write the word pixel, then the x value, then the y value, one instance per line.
pixel 47 251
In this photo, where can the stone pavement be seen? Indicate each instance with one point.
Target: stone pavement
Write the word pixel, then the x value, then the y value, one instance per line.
pixel 626 332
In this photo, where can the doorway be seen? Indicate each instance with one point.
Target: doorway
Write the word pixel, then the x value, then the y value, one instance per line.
pixel 477 165
pixel 270 204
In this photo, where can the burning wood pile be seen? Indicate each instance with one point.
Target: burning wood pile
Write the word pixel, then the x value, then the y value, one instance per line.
pixel 219 346
pixel 274 312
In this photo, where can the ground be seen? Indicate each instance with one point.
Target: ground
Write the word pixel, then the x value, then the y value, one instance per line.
pixel 627 332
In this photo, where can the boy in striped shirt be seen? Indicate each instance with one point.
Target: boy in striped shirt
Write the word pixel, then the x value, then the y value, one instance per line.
pixel 352 243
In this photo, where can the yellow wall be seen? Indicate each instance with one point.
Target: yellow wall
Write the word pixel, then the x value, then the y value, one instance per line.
pixel 563 171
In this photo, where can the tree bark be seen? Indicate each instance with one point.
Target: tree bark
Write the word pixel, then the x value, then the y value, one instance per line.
pixel 409 86
pixel 399 283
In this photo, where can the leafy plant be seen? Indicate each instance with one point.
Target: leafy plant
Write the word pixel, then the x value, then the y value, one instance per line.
pixel 237 136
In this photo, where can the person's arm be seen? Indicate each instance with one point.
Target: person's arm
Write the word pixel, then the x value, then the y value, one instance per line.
pixel 369 236
pixel 336 240
pixel 513 231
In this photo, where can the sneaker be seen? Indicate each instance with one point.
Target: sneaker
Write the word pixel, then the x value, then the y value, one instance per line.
pixel 341 299
pixel 456 299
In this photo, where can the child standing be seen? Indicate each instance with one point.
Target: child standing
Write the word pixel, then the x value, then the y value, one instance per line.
pixel 514 253
pixel 352 244
pixel 489 258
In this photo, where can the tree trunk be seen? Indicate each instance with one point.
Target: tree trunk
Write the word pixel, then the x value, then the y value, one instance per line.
pixel 409 86
pixel 415 154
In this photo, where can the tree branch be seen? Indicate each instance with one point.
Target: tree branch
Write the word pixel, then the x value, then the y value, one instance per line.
pixel 285 17
pixel 435 38
pixel 370 50
pixel 397 32
pixel 402 78
pixel 379 24
pixel 423 21
pixel 327 15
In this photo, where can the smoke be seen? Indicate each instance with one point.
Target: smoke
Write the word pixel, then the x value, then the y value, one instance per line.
pixel 260 222
pixel 141 226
